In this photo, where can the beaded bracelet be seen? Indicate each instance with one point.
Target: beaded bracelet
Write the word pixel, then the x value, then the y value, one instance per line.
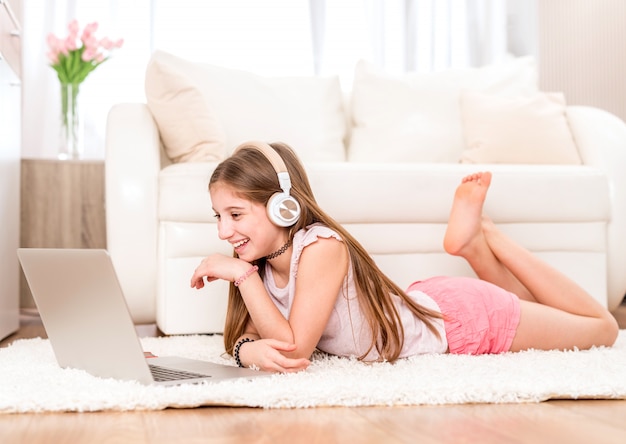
pixel 237 347
pixel 244 276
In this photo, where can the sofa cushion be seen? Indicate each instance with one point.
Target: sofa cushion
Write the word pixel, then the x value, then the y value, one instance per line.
pixel 205 111
pixel 416 117
pixel 421 192
pixel 189 129
pixel 531 129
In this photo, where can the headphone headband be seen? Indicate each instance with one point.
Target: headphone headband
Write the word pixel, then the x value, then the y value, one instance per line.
pixel 282 208
pixel 269 152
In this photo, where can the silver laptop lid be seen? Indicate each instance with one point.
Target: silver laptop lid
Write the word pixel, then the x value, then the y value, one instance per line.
pixel 84 311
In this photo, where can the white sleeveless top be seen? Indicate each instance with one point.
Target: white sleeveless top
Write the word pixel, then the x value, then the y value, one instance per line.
pixel 347 332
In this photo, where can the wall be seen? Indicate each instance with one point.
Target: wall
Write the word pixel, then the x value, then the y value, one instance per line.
pixel 582 51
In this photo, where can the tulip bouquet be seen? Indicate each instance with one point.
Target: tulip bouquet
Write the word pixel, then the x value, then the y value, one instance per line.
pixel 74 58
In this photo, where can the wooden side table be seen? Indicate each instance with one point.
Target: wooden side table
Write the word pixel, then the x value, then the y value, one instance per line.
pixel 62 206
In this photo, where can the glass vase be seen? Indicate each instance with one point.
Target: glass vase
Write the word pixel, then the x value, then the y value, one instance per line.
pixel 72 144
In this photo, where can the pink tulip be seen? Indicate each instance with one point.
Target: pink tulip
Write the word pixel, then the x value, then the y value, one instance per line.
pixel 91 42
pixel 92 27
pixel 69 44
pixel 88 55
pixel 118 43
pixel 85 36
pixel 73 27
pixel 89 30
pixel 53 57
pixel 63 47
pixel 107 43
pixel 53 41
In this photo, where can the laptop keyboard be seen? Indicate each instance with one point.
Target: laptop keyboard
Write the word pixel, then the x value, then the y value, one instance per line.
pixel 167 374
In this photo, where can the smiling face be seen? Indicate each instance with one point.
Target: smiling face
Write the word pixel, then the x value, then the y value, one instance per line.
pixel 245 224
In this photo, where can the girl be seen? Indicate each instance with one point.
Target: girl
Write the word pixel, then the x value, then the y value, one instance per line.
pixel 301 282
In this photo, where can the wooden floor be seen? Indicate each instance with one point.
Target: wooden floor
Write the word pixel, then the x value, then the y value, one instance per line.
pixel 553 422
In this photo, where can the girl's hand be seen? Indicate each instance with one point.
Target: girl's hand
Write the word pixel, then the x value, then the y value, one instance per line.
pixel 218 266
pixel 266 355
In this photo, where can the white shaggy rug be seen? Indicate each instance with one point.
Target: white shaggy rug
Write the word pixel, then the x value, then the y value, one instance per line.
pixel 31 380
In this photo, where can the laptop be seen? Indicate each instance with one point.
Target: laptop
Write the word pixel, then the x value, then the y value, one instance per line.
pixel 85 315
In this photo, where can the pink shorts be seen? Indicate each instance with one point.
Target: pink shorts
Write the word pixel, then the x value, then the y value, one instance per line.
pixel 479 317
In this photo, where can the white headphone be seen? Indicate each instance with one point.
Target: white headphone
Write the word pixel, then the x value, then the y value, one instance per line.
pixel 282 209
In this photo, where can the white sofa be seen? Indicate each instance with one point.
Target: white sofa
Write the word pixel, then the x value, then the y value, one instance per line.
pixel 383 159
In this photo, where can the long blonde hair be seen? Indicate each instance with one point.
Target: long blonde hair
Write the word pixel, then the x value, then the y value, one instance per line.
pixel 250 173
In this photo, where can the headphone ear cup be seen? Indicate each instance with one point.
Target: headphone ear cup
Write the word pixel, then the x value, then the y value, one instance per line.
pixel 283 210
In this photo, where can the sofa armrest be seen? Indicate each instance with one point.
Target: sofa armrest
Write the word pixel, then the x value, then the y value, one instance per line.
pixel 132 165
pixel 601 140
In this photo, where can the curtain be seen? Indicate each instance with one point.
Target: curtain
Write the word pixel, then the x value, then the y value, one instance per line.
pixel 269 37
pixel 430 35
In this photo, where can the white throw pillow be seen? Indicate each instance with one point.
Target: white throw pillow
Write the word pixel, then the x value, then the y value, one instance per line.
pixel 204 111
pixel 416 117
pixel 530 130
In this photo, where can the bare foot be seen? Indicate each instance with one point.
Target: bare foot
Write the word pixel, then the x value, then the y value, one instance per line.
pixel 465 222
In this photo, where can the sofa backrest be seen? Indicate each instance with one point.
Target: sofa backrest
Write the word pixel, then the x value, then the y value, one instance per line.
pixel 204 111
